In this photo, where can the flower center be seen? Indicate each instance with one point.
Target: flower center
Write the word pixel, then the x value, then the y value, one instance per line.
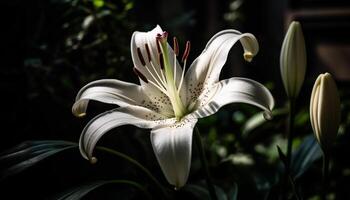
pixel 165 78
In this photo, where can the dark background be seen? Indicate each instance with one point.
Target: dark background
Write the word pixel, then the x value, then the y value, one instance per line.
pixel 48 55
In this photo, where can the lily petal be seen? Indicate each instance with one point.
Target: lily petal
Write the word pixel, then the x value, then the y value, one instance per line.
pixel 173 148
pixel 205 70
pixel 108 91
pixel 101 124
pixel 151 69
pixel 236 90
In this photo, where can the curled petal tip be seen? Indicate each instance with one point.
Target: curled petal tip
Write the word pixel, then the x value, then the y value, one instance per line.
pixel 248 56
pixel 268 115
pixel 93 160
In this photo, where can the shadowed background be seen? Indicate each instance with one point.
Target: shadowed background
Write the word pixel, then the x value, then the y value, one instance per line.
pixel 53 48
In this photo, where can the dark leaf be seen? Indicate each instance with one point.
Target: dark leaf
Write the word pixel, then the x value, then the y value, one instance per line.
pixel 233 193
pixel 80 191
pixel 308 152
pixel 30 153
pixel 197 191
pixel 202 193
pixel 220 193
pixel 281 155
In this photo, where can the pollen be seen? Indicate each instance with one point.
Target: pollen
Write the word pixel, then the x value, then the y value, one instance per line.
pixel 81 114
pixel 248 56
pixel 93 160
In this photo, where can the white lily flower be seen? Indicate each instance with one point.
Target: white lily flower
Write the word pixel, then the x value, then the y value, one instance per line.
pixel 293 60
pixel 168 101
pixel 325 110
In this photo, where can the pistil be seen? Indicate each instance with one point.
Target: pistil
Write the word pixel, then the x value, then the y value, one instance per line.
pixel 170 76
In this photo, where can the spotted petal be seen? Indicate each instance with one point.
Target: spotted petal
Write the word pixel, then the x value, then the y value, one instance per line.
pixel 152 69
pixel 101 124
pixel 173 148
pixel 108 91
pixel 235 90
pixel 205 70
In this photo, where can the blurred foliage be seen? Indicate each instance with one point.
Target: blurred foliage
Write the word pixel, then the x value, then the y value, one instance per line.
pixel 72 42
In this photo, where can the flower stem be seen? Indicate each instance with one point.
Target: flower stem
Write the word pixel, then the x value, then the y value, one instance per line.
pixel 134 184
pixel 137 164
pixel 290 130
pixel 325 175
pixel 200 148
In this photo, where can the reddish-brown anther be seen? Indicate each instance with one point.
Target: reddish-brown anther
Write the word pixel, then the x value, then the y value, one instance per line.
pixel 176 46
pixel 140 75
pixel 142 60
pixel 187 51
pixel 158 45
pixel 148 52
pixel 161 61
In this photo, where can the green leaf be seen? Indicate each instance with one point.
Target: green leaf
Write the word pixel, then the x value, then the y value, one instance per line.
pixel 302 159
pixel 281 155
pixel 233 193
pixel 81 191
pixel 220 193
pixel 30 153
pixel 202 193
pixel 197 191
pixel 98 3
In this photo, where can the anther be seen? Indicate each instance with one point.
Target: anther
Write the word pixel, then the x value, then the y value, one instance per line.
pixel 140 56
pixel 248 56
pixel 158 45
pixel 148 52
pixel 187 51
pixel 93 160
pixel 140 75
pixel 176 46
pixel 161 61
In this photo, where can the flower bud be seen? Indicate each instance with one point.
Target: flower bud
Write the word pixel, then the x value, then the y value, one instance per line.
pixel 293 60
pixel 325 110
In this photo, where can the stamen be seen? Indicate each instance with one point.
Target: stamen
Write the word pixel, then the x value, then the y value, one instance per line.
pixel 176 46
pixel 93 160
pixel 182 77
pixel 187 51
pixel 140 56
pixel 248 56
pixel 175 69
pixel 176 53
pixel 140 75
pixel 148 53
pixel 161 61
pixel 161 78
pixel 158 45
pixel 159 88
pixel 161 83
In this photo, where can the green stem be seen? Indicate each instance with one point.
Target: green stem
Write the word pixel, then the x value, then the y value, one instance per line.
pixel 137 164
pixel 134 184
pixel 290 130
pixel 295 191
pixel 325 176
pixel 199 144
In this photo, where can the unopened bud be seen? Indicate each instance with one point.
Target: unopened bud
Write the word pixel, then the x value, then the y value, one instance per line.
pixel 293 60
pixel 325 110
